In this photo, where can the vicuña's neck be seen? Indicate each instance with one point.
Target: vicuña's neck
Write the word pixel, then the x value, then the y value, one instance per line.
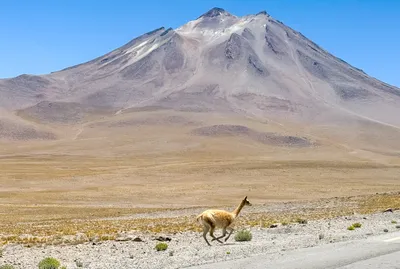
pixel 237 210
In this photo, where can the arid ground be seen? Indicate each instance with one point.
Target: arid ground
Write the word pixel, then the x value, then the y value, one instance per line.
pixel 96 181
pixel 135 143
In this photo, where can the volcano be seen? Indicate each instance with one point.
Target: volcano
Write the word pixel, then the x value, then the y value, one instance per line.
pixel 219 75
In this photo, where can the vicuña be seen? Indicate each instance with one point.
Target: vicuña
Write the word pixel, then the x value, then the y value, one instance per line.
pixel 216 218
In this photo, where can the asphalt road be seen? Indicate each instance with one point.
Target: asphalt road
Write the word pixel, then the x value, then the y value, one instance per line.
pixel 381 251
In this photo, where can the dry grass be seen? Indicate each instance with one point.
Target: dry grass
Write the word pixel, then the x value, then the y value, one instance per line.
pixel 94 228
pixel 11 214
pixel 186 179
pixel 49 199
pixel 379 203
pixel 87 182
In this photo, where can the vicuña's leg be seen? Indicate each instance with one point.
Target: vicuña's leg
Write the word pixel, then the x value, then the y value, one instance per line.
pixel 231 231
pixel 212 234
pixel 206 228
pixel 219 237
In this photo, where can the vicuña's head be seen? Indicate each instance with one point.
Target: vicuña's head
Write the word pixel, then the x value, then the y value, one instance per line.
pixel 246 202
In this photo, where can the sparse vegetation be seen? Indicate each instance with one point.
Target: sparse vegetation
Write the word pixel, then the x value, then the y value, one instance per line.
pixel 161 246
pixel 357 225
pixel 351 228
pixel 398 226
pixel 7 266
pixel 61 229
pixel 49 263
pixel 243 235
pixel 394 222
pixel 378 203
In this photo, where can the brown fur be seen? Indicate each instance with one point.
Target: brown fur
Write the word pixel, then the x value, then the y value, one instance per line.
pixel 216 218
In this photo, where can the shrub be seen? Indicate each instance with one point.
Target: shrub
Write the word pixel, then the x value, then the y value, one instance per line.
pixel 161 246
pixel 350 228
pixel 394 222
pixel 49 263
pixel 398 226
pixel 7 266
pixel 356 225
pixel 243 235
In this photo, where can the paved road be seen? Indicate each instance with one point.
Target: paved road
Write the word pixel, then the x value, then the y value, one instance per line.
pixel 374 252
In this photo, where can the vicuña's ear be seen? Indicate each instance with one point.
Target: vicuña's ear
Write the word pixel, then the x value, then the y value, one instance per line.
pixel 245 197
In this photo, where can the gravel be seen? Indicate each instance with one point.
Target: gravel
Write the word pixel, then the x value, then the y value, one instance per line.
pixel 189 248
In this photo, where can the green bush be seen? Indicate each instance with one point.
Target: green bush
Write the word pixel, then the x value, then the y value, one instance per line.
pixel 49 263
pixel 7 266
pixel 350 228
pixel 394 222
pixel 161 246
pixel 243 235
pixel 357 225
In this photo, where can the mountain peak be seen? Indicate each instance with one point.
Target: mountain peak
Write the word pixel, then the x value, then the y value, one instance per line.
pixel 262 13
pixel 215 12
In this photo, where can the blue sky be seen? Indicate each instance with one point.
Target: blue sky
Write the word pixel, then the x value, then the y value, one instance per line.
pixel 42 36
